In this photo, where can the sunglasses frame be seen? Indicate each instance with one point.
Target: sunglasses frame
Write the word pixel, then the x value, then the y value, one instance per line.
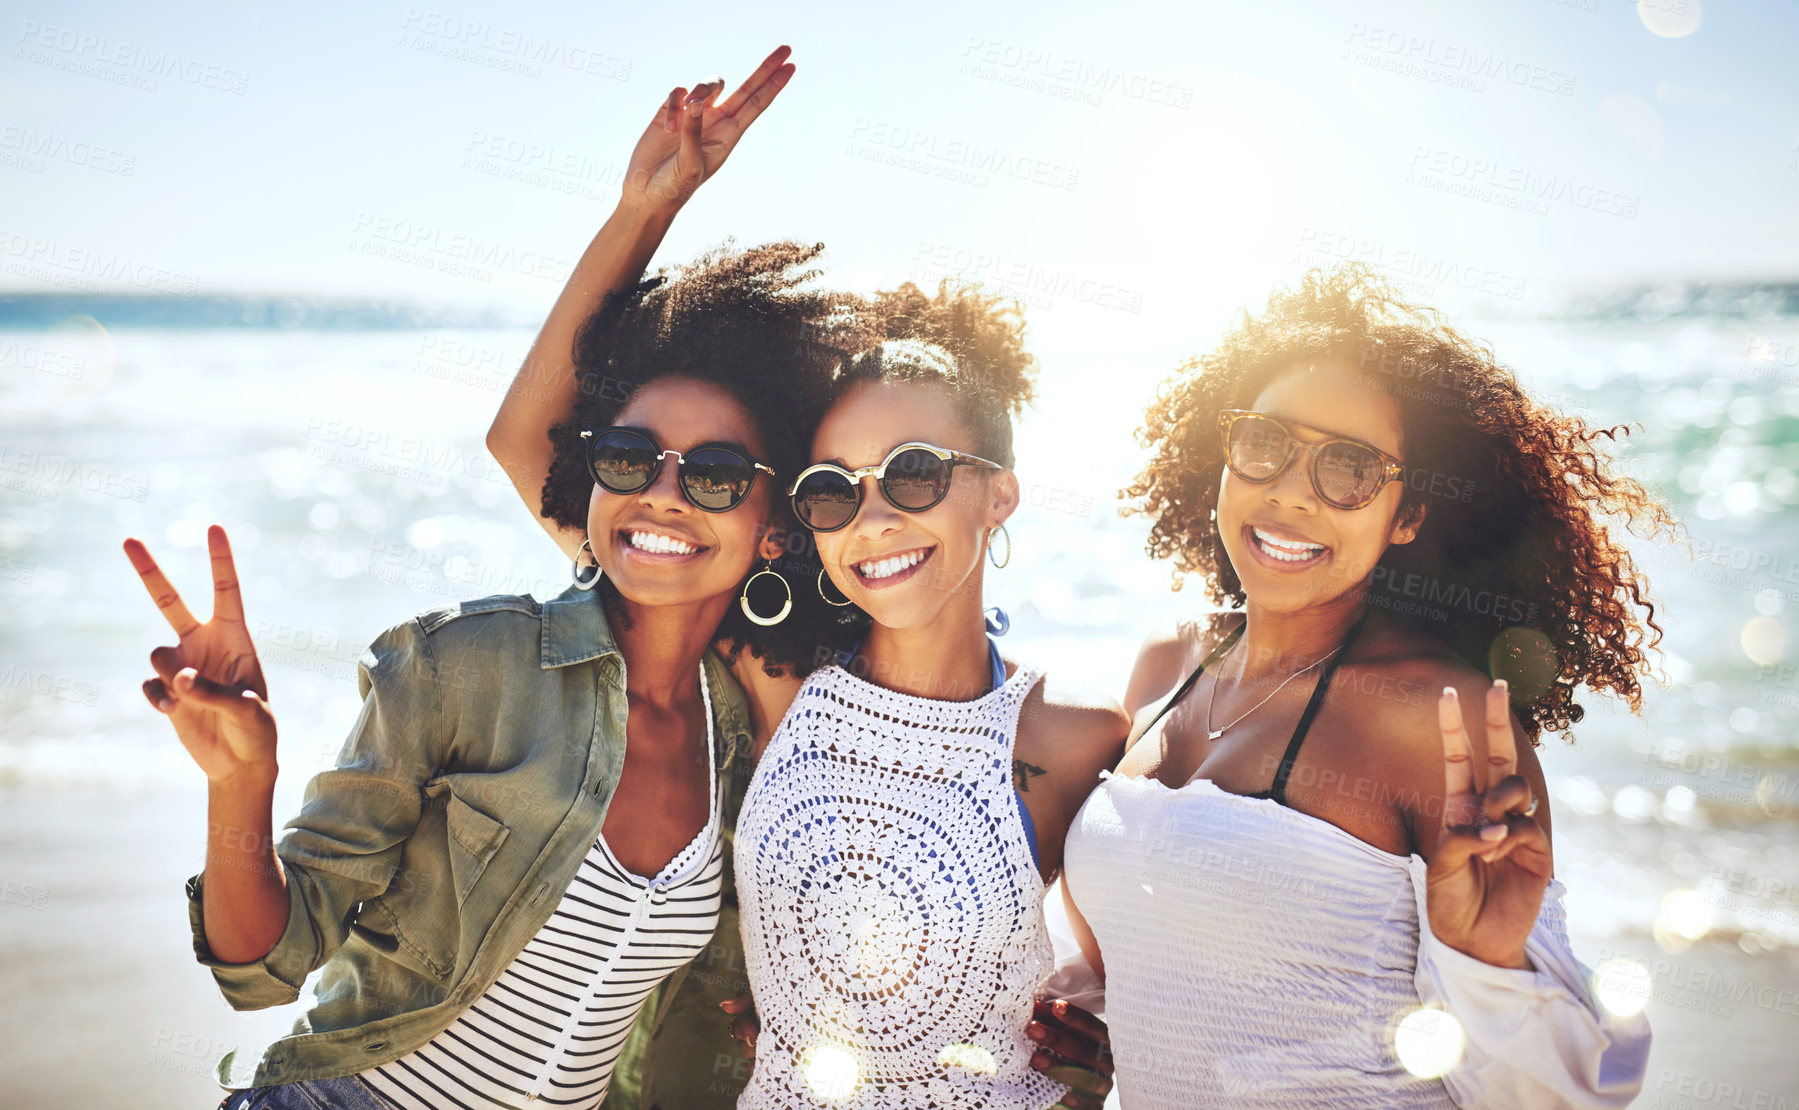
pixel 1392 469
pixel 590 434
pixel 879 471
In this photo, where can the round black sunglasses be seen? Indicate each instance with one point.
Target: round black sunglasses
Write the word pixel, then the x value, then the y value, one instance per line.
pixel 913 477
pixel 713 477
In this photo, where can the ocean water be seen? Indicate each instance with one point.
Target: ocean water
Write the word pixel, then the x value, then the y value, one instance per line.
pixel 349 469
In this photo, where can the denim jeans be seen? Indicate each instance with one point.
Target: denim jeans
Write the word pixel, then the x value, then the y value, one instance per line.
pixel 346 1092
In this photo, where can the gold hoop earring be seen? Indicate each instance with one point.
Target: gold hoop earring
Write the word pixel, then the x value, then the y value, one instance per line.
pixel 743 600
pixel 593 579
pixel 826 596
pixel 999 564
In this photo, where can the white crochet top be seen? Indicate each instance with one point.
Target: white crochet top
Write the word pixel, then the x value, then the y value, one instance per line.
pixel 892 915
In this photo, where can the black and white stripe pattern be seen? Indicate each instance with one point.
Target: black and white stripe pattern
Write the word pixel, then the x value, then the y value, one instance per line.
pixel 549 1029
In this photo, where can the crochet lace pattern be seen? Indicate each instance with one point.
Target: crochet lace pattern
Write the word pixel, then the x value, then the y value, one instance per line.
pixel 892 916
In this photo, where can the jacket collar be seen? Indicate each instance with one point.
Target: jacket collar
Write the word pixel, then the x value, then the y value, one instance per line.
pixel 575 630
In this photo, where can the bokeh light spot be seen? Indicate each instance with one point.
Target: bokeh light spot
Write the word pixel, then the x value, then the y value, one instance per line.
pixel 971 1057
pixel 1428 1042
pixel 830 1072
pixel 1622 986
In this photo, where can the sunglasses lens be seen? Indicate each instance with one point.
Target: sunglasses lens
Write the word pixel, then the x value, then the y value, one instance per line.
pixel 916 480
pixel 621 462
pixel 716 479
pixel 824 502
pixel 1348 476
pixel 1257 448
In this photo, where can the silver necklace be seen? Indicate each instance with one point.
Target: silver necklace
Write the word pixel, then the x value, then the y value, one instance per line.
pixel 1212 696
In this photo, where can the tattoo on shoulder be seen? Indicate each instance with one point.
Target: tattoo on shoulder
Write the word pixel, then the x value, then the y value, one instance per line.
pixel 1023 773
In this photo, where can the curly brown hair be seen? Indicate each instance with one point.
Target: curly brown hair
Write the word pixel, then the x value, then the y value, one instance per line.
pixel 1533 488
pixel 986 369
pixel 740 320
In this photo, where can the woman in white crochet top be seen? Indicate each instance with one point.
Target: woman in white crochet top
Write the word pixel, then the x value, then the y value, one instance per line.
pixel 1305 900
pixel 905 817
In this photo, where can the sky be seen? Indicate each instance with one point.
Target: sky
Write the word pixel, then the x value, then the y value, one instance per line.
pixel 1148 169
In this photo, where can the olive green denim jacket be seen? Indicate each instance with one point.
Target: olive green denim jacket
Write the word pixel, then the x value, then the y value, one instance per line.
pixel 474 781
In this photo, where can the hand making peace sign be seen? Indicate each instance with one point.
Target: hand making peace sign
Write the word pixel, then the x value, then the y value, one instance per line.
pixel 690 137
pixel 1486 878
pixel 210 684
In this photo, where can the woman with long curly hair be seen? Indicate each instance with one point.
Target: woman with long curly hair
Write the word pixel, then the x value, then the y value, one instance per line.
pixel 524 834
pixel 1309 859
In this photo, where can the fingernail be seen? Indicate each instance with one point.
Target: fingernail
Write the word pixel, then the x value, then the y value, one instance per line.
pixel 165 705
pixel 1060 1006
pixel 1036 1031
pixel 1449 691
pixel 1493 833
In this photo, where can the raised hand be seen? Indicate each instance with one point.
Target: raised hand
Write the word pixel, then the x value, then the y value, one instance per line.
pixel 210 683
pixel 1075 1048
pixel 692 133
pixel 1485 881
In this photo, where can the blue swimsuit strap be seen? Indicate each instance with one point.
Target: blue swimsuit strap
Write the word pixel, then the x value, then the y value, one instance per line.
pixel 999 679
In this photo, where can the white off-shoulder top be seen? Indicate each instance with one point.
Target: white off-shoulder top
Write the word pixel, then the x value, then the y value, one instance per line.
pixel 1258 956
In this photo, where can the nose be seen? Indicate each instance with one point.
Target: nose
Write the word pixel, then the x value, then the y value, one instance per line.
pixel 1292 487
pixel 877 517
pixel 665 492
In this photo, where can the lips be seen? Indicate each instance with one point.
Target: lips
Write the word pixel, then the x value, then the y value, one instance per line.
pixel 887 570
pixel 646 541
pixel 1285 548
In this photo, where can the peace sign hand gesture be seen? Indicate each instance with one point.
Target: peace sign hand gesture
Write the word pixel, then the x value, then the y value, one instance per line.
pixel 1484 883
pixel 210 684
pixel 690 136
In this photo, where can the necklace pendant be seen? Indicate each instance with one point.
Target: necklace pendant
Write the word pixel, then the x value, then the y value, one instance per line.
pixel 1210 736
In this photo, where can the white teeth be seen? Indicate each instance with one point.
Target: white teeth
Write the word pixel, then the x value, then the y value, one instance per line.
pixel 658 544
pixel 887 568
pixel 1287 551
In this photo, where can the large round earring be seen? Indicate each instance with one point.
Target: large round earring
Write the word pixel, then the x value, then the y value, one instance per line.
pixel 1000 564
pixel 826 596
pixel 743 599
pixel 593 579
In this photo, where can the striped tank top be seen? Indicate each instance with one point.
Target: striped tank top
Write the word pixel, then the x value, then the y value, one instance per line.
pixel 548 1031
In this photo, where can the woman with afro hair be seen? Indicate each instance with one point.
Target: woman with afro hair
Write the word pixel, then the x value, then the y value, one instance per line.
pixel 524 834
pixel 944 376
pixel 1328 843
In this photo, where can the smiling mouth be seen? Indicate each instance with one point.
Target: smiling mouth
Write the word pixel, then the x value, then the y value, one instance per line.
pixel 889 569
pixel 645 542
pixel 1293 552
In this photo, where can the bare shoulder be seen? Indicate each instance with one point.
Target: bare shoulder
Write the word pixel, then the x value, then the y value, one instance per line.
pixel 1395 681
pixel 1169 654
pixel 1071 724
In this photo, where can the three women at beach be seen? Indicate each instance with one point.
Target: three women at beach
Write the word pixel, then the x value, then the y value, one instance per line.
pixel 771 709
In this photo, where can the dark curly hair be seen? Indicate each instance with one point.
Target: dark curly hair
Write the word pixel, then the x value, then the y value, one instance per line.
pixel 979 355
pixel 739 320
pixel 963 338
pixel 1522 524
